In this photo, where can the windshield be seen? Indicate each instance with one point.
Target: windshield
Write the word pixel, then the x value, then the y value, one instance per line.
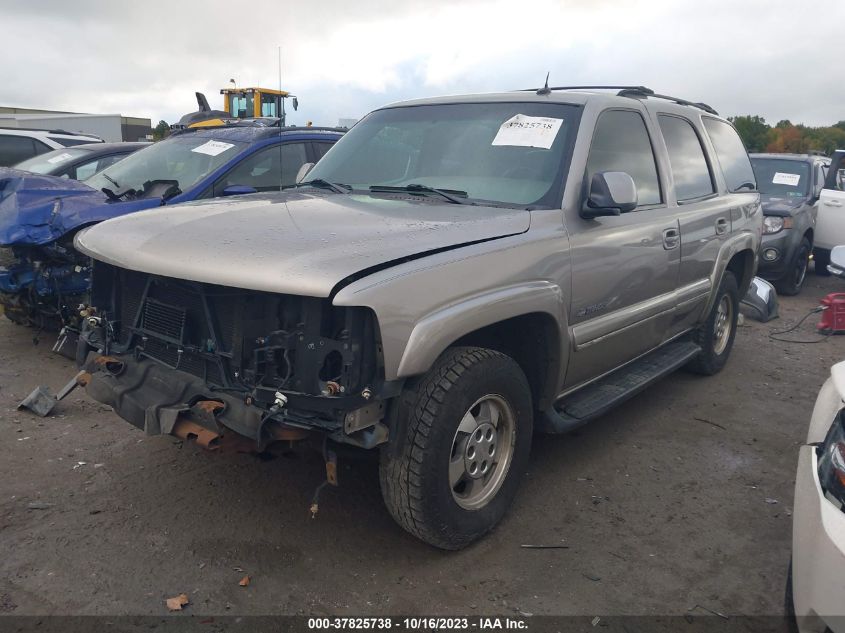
pixel 51 162
pixel 781 177
pixel 180 159
pixel 510 153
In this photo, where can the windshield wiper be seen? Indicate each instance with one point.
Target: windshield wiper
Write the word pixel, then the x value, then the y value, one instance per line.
pixel 110 179
pixel 337 187
pixel 452 195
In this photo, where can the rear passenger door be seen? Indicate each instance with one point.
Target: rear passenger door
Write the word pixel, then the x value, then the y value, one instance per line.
pixel 625 267
pixel 704 217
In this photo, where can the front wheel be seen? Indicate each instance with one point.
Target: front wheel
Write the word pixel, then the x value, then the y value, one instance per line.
pixel 716 335
pixel 468 428
pixel 794 278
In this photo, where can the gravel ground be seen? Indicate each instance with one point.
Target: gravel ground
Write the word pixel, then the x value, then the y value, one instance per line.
pixel 681 497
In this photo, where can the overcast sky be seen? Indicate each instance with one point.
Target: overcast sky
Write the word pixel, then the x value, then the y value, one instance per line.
pixel 346 57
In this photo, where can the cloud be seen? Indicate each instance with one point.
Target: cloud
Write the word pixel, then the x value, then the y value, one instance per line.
pixel 344 59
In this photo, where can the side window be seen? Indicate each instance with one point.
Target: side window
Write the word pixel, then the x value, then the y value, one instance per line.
pixel 268 169
pixel 621 143
pixel 320 150
pixel 686 156
pixel 86 170
pixel 14 149
pixel 733 159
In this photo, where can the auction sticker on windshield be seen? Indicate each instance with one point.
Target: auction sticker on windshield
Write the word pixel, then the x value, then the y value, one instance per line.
pixel 60 158
pixel 213 148
pixel 528 131
pixel 781 178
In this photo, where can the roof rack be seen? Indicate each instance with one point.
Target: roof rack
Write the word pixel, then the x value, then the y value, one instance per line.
pixel 49 131
pixel 640 92
pixel 635 92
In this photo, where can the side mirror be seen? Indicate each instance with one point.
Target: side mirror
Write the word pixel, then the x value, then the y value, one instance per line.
pixel 238 190
pixel 611 193
pixel 295 103
pixel 303 171
pixel 837 261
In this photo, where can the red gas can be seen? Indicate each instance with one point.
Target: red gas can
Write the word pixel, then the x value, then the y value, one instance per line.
pixel 833 319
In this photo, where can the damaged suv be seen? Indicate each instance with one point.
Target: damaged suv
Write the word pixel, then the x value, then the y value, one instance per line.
pixel 454 274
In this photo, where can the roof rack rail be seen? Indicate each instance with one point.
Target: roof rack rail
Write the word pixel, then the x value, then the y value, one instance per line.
pixel 641 89
pixel 637 93
pixel 634 92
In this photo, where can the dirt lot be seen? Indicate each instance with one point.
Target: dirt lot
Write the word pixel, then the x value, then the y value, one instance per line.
pixel 665 504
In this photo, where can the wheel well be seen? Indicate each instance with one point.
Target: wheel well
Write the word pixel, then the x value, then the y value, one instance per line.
pixel 742 266
pixel 533 341
pixel 809 235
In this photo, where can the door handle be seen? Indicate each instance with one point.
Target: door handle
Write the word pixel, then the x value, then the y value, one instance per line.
pixel 721 226
pixel 833 203
pixel 671 239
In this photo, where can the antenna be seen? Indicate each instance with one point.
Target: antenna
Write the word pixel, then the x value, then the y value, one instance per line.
pixel 281 114
pixel 545 90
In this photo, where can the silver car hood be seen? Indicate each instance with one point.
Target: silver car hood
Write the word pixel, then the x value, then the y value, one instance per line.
pixel 291 243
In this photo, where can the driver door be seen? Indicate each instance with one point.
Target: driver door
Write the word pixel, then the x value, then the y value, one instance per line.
pixel 624 268
pixel 830 222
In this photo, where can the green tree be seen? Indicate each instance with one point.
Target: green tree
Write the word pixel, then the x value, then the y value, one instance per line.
pixel 753 130
pixel 161 130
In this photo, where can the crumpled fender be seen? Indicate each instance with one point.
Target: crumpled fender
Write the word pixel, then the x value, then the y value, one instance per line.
pixel 36 209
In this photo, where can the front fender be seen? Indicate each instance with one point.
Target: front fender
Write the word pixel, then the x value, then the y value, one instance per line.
pixel 435 332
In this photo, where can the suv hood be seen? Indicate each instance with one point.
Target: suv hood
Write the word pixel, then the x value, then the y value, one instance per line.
pixel 37 209
pixel 780 205
pixel 291 243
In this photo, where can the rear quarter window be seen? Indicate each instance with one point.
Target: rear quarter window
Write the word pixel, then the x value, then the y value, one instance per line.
pixel 15 149
pixel 731 153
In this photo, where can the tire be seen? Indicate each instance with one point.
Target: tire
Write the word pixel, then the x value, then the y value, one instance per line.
pixel 791 283
pixel 716 345
pixel 821 259
pixel 445 415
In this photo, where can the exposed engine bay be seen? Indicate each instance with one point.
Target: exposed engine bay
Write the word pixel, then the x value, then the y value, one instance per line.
pixel 156 347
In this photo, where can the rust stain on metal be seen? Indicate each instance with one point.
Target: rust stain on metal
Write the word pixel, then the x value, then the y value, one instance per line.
pixel 83 378
pixel 187 429
pixel 103 360
pixel 210 406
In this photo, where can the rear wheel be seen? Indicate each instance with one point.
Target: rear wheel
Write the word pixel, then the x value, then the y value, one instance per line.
pixel 468 436
pixel 791 283
pixel 716 335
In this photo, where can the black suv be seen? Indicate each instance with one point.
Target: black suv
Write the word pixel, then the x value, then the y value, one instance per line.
pixel 789 186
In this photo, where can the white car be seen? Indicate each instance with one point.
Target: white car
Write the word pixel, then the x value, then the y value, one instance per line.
pixel 816 587
pixel 830 223
pixel 18 144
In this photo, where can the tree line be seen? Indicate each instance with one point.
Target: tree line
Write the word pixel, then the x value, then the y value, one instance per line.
pixel 759 136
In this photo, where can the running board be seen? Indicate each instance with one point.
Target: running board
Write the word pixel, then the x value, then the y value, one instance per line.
pixel 599 397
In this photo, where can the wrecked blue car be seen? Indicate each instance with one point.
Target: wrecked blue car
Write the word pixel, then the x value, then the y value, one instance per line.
pixel 43 280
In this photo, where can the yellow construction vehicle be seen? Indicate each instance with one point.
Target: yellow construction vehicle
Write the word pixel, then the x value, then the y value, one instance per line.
pixel 248 103
pixel 239 103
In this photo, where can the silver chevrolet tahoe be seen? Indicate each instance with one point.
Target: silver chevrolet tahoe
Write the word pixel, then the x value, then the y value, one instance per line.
pixel 454 276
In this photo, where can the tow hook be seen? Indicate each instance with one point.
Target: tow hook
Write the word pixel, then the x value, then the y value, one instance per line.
pixel 331 479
